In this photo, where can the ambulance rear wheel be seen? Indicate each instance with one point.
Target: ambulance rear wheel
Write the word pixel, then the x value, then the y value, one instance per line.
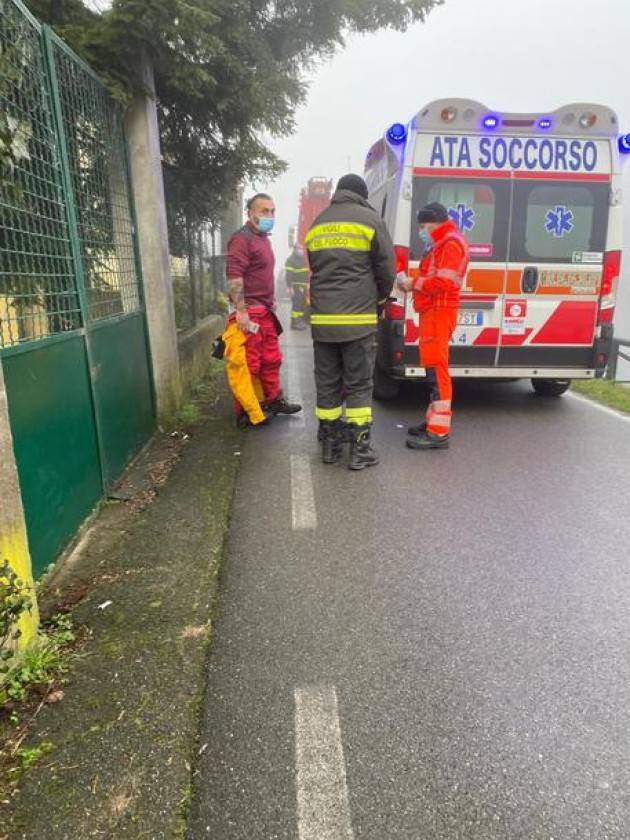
pixel 385 388
pixel 550 387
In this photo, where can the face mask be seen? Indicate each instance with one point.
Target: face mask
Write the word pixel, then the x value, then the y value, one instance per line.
pixel 265 225
pixel 426 240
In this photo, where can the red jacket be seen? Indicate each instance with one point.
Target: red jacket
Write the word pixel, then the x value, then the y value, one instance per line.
pixel 443 270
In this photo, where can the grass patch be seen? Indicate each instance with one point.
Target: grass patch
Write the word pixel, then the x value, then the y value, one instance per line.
pixel 40 665
pixel 605 392
pixel 32 682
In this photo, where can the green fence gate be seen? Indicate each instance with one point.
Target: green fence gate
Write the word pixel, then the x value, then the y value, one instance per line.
pixel 73 339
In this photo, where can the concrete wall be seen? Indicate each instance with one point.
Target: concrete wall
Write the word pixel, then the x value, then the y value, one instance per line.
pixel 195 347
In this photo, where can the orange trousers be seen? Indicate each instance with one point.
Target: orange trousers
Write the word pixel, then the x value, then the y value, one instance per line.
pixel 436 328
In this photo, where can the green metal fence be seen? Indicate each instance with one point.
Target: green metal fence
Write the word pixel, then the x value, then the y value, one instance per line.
pixel 38 295
pixel 73 340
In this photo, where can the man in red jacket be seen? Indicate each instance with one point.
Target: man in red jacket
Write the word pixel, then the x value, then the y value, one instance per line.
pixel 436 298
pixel 250 273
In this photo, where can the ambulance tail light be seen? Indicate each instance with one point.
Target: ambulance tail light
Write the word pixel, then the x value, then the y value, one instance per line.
pixel 610 274
pixel 610 278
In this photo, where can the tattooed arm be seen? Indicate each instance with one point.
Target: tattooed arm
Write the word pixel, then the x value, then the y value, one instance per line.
pixel 237 262
pixel 237 297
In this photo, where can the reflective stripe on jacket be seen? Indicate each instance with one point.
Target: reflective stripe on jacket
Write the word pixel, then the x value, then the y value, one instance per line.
pixel 352 268
pixel 296 270
pixel 443 270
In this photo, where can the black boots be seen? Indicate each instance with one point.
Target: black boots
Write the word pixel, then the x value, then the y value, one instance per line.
pixel 361 453
pixel 332 436
pixel 427 440
pixel 282 406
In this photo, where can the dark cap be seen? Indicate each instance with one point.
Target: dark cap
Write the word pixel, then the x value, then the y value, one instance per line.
pixel 434 212
pixel 354 183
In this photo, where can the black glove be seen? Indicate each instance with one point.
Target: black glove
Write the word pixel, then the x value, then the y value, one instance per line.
pixel 218 348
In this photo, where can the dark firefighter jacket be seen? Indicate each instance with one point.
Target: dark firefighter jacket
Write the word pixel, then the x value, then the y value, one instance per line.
pixel 352 268
pixel 296 269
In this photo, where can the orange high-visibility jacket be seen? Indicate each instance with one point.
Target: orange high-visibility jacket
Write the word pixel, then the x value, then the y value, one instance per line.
pixel 442 271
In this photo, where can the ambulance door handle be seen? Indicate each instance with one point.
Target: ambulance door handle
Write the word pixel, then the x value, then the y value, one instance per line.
pixel 529 281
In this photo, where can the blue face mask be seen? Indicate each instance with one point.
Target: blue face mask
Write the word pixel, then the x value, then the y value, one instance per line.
pixel 265 225
pixel 426 240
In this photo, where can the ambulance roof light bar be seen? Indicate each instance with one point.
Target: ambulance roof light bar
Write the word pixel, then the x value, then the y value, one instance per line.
pixel 463 114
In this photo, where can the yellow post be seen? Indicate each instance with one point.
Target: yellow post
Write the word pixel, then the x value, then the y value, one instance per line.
pixel 13 538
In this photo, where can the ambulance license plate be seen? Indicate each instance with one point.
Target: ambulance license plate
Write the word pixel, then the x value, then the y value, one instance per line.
pixel 469 318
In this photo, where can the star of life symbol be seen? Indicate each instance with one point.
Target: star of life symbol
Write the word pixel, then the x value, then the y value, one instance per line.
pixel 559 221
pixel 464 217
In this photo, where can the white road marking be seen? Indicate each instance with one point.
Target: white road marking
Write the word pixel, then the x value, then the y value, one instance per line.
pixel 302 494
pixel 599 406
pixel 322 791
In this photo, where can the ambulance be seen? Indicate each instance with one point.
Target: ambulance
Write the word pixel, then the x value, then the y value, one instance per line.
pixel 538 197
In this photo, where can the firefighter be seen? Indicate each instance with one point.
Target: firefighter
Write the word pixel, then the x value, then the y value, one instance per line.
pixel 250 273
pixel 436 298
pixel 296 278
pixel 352 273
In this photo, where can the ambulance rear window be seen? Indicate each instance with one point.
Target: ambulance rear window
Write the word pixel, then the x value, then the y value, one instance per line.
pixel 479 207
pixel 553 222
pixel 473 207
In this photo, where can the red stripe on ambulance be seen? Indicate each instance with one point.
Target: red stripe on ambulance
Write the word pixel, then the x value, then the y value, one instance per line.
pixel 572 322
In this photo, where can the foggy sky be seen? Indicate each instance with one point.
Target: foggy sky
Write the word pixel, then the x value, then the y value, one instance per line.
pixel 513 55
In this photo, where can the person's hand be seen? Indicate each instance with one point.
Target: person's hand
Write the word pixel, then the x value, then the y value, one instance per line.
pixel 403 283
pixel 242 320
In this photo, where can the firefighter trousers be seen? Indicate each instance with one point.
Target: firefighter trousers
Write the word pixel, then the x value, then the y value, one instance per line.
pixel 263 356
pixel 343 373
pixel 299 303
pixel 436 328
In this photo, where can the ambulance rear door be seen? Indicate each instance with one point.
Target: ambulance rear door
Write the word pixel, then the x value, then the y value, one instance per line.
pixel 556 254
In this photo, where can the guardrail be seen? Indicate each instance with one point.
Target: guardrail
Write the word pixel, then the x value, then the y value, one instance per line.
pixel 615 355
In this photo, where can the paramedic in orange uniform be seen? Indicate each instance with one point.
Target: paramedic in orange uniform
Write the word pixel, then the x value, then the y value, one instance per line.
pixel 436 298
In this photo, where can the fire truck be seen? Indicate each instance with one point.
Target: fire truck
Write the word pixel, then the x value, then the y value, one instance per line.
pixel 314 198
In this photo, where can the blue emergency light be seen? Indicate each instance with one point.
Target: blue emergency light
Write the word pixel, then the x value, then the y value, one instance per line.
pixel 624 144
pixel 490 121
pixel 396 134
pixel 544 123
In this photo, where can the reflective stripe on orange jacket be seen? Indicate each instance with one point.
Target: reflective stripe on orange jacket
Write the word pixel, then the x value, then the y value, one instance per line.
pixel 443 270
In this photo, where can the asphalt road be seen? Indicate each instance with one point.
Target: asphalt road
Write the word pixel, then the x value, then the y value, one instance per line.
pixel 437 648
